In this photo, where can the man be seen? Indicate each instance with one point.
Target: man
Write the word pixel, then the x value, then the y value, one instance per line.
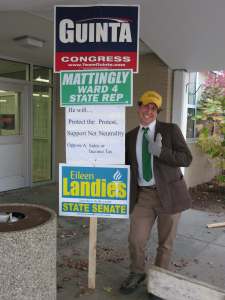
pixel 155 152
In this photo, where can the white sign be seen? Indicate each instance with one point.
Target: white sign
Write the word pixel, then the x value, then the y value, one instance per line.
pixel 95 135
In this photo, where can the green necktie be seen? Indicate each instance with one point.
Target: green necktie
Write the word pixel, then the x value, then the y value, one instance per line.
pixel 146 157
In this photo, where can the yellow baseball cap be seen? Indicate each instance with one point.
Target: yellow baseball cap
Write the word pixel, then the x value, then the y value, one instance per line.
pixel 151 97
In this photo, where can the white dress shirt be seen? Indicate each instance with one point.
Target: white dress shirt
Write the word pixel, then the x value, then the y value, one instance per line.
pixel 141 180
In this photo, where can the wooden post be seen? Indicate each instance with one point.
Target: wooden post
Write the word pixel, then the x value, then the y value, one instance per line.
pixel 92 252
pixel 173 286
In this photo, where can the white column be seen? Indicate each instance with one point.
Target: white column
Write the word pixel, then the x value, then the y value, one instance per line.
pixel 180 99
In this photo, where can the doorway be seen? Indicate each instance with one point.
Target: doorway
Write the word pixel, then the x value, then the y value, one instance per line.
pixel 14 136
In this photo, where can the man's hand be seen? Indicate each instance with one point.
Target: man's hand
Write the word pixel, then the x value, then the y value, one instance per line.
pixel 154 147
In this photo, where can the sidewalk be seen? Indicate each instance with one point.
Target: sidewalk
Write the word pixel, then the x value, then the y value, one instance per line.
pixel 198 253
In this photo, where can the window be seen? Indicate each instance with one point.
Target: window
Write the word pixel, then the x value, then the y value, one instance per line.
pixel 191 123
pixel 194 92
pixel 9 113
pixel 15 70
pixel 192 89
pixel 42 75
pixel 42 124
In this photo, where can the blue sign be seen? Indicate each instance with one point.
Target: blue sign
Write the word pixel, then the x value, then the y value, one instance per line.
pixel 96 37
pixel 94 191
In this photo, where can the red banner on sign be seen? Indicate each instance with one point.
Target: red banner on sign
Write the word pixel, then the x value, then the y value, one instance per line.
pixel 95 60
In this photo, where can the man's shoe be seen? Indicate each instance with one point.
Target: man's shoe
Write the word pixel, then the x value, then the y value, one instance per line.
pixel 132 282
pixel 154 297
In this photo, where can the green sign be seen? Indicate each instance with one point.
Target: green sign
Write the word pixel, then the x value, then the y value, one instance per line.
pixel 103 87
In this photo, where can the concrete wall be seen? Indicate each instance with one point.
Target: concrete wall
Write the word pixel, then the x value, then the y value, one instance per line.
pixel 201 169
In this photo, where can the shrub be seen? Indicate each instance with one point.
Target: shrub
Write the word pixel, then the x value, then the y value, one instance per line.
pixel 211 120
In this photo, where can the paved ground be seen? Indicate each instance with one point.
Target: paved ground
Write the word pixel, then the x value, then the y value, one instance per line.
pixel 199 252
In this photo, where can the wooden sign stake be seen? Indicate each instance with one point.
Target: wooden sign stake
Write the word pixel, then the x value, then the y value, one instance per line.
pixel 92 252
pixel 215 225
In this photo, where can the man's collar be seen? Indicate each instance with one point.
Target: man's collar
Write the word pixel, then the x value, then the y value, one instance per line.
pixel 151 126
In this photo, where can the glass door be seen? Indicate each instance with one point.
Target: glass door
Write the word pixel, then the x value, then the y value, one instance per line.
pixel 42 134
pixel 13 136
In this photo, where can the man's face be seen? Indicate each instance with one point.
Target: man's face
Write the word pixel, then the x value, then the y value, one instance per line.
pixel 147 113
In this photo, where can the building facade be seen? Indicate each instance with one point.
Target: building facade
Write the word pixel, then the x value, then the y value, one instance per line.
pixel 32 123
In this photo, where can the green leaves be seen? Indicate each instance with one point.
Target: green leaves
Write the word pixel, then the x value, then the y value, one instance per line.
pixel 221 178
pixel 211 115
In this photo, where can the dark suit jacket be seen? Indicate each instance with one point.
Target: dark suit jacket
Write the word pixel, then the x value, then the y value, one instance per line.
pixel 169 180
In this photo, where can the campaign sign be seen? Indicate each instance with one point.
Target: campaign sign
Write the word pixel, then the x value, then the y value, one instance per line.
pixel 108 87
pixel 86 191
pixel 96 37
pixel 95 134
